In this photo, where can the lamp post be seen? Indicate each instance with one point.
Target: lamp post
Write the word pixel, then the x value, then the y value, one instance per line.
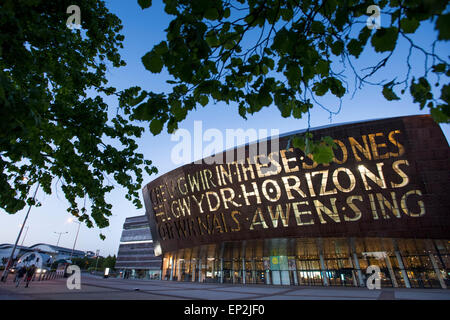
pixel 26 232
pixel 11 257
pixel 96 264
pixel 75 242
pixel 59 237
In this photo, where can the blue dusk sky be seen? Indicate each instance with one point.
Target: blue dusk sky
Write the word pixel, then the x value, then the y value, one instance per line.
pixel 142 30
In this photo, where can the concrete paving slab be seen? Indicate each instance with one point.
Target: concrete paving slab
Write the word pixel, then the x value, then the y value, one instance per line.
pixel 97 288
pixel 308 297
pixel 422 295
pixel 210 295
pixel 344 292
pixel 250 289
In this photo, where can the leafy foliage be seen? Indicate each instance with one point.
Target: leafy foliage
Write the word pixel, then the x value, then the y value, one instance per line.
pixel 90 263
pixel 54 123
pixel 321 150
pixel 212 55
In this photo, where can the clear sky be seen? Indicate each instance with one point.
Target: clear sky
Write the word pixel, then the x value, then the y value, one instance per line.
pixel 142 30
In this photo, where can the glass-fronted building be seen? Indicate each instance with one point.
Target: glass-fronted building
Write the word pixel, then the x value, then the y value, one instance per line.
pixel 136 258
pixel 411 263
pixel 267 213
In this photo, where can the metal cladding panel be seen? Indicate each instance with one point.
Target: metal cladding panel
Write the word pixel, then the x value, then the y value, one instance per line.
pixel 136 235
pixel 389 178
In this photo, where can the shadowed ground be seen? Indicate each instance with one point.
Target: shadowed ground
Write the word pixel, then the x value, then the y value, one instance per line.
pixel 97 288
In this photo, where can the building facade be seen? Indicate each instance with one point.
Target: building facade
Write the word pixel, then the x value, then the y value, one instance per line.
pixel 136 258
pixel 40 254
pixel 268 213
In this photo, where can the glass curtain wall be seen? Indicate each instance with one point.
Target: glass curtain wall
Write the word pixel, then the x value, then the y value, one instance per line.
pixel 416 263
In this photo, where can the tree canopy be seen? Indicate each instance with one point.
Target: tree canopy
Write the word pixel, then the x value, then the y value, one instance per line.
pixel 259 53
pixel 56 126
pixel 54 123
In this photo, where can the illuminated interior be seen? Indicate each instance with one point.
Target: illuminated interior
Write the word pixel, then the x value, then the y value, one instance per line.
pixel 411 263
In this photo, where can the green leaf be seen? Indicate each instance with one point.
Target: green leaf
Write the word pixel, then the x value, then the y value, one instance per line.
pixel 212 40
pixel 299 142
pixel 439 68
pixel 212 14
pixel 385 39
pixel 355 47
pixel 323 153
pixel 293 74
pixel 226 13
pixel 320 88
pixel 443 26
pixel 337 47
pixel 439 116
pixel 156 126
pixel 329 141
pixel 317 27
pixel 409 25
pixel 323 67
pixel 145 3
pixel 242 111
pixel 389 94
pixel 152 62
pixel 203 100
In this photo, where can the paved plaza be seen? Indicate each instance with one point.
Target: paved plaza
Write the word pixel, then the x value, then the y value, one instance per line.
pixel 97 288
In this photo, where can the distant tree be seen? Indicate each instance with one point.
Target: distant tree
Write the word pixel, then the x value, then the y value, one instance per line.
pixel 109 262
pixel 84 263
pixel 54 123
pixel 258 53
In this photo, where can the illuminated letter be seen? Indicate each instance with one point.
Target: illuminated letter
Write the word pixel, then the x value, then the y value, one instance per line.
pixel 177 214
pixel 350 176
pixel 367 173
pixel 392 207
pixel 229 199
pixel 279 212
pixel 245 170
pixel 295 187
pixel 185 191
pixel 402 174
pixel 355 209
pixel 323 187
pixel 286 161
pixel 375 146
pixel 262 222
pixel 238 226
pixel 266 194
pixel 344 152
pixel 199 202
pixel 320 207
pixel 420 203
pixel 355 145
pixel 401 149
pixel 309 166
pixel 248 194
pixel 298 213
pixel 212 193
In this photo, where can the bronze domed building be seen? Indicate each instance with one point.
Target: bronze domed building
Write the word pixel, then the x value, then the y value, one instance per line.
pixel 277 217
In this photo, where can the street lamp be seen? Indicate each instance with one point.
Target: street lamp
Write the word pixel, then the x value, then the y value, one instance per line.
pixel 26 232
pixel 11 257
pixel 75 242
pixel 59 237
pixel 96 264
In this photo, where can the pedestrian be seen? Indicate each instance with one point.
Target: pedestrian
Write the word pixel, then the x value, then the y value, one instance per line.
pixel 20 273
pixel 30 273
